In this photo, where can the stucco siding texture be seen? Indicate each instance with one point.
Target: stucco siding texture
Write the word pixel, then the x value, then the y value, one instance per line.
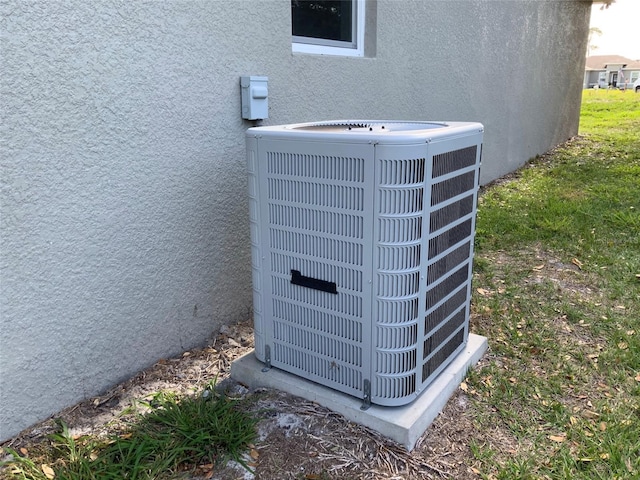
pixel 124 225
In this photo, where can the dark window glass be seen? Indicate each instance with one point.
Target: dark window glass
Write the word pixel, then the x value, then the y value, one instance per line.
pixel 330 19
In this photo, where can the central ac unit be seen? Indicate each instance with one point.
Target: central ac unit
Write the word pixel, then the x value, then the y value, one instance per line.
pixel 362 248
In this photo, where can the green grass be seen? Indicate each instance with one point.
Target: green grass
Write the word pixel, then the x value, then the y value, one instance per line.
pixel 176 436
pixel 558 295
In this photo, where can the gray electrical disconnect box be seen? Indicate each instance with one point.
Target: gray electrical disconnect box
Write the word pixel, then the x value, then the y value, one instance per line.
pixel 255 97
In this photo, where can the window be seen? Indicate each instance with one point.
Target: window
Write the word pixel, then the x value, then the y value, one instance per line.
pixel 328 27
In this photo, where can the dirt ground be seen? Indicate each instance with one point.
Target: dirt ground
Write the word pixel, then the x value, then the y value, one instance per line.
pixel 297 439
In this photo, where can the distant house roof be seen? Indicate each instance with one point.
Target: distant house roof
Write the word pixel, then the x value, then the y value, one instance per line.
pixel 600 62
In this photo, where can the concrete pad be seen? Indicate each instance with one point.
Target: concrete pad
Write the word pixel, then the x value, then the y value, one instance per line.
pixel 405 424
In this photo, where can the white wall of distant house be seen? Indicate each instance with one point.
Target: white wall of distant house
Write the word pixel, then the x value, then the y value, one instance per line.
pixel 619 26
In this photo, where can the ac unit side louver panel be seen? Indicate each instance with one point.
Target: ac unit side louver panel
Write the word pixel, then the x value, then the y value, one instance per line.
pixel 362 245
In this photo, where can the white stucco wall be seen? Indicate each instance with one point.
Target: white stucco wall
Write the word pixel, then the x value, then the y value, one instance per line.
pixel 124 233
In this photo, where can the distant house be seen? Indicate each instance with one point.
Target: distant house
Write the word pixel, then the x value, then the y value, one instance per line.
pixel 610 71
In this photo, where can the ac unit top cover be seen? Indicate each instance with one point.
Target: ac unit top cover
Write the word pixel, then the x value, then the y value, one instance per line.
pixel 368 131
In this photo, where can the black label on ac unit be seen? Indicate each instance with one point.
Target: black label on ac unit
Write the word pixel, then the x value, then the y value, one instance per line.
pixel 298 279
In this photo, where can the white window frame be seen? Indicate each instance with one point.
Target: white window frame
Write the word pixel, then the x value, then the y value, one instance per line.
pixel 319 46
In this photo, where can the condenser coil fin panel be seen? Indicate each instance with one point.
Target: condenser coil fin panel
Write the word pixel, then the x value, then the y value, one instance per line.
pixel 362 246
